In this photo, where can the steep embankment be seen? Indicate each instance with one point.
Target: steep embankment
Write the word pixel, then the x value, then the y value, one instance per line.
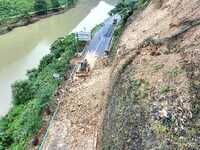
pixel 154 100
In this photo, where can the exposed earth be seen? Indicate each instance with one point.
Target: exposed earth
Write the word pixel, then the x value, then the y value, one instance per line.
pixel 81 114
pixel 148 99
pixel 154 102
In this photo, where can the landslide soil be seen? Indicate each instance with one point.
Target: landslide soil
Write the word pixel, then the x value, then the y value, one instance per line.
pixel 154 102
pixel 79 120
pixel 149 98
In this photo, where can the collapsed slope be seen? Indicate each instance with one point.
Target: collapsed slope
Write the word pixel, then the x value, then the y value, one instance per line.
pixel 77 124
pixel 154 99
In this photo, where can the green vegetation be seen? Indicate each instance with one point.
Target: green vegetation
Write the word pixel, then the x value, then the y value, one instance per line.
pixel 142 3
pixel 157 67
pixel 125 9
pixel 40 6
pixel 55 4
pixel 159 128
pixel 96 29
pixel 164 89
pixel 9 10
pixel 124 115
pixel 22 92
pixel 34 94
pixel 174 72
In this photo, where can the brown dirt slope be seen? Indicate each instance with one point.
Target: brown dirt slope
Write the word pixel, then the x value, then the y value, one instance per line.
pixel 154 102
pixel 80 117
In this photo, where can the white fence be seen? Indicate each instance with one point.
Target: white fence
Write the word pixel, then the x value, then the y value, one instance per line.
pixel 83 36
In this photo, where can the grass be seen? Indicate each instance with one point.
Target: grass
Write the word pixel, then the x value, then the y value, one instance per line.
pixel 96 29
pixel 122 123
pixel 160 129
pixel 164 89
pixel 157 67
pixel 174 72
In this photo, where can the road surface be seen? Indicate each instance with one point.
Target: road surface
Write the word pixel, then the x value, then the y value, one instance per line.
pixel 101 41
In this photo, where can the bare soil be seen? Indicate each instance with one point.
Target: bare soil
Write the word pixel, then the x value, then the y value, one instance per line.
pixel 154 101
pixel 80 117
pixel 149 98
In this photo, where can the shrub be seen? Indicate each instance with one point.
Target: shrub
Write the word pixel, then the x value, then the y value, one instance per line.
pixel 22 92
pixel 46 60
pixel 32 74
pixel 5 140
pixel 55 4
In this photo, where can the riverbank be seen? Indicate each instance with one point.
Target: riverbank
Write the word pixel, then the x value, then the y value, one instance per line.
pixel 25 20
pixel 32 97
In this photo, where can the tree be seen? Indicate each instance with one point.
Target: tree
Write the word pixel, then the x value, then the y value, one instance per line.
pixel 40 7
pixel 55 4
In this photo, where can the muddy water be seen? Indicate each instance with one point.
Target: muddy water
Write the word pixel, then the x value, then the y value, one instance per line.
pixel 23 48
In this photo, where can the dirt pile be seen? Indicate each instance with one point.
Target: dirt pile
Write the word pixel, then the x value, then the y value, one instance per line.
pixel 77 124
pixel 154 102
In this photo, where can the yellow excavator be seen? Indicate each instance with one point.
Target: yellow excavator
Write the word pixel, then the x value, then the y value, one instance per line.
pixel 83 69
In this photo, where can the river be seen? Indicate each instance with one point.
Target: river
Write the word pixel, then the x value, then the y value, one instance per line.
pixel 23 48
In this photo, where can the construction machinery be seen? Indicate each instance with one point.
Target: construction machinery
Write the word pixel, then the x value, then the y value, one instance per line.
pixel 83 69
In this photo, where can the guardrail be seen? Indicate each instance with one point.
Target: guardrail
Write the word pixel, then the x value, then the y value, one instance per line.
pixel 57 109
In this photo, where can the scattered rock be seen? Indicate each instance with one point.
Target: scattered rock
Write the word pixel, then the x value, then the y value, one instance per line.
pixel 155 53
pixel 163 113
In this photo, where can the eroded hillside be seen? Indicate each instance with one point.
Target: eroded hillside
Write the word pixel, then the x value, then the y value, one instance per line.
pixel 155 82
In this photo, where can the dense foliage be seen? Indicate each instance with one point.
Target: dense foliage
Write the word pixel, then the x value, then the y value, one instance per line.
pixel 40 6
pixel 13 8
pixel 32 95
pixel 55 4
pixel 22 91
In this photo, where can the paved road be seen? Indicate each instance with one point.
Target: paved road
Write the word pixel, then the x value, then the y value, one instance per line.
pixel 101 41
